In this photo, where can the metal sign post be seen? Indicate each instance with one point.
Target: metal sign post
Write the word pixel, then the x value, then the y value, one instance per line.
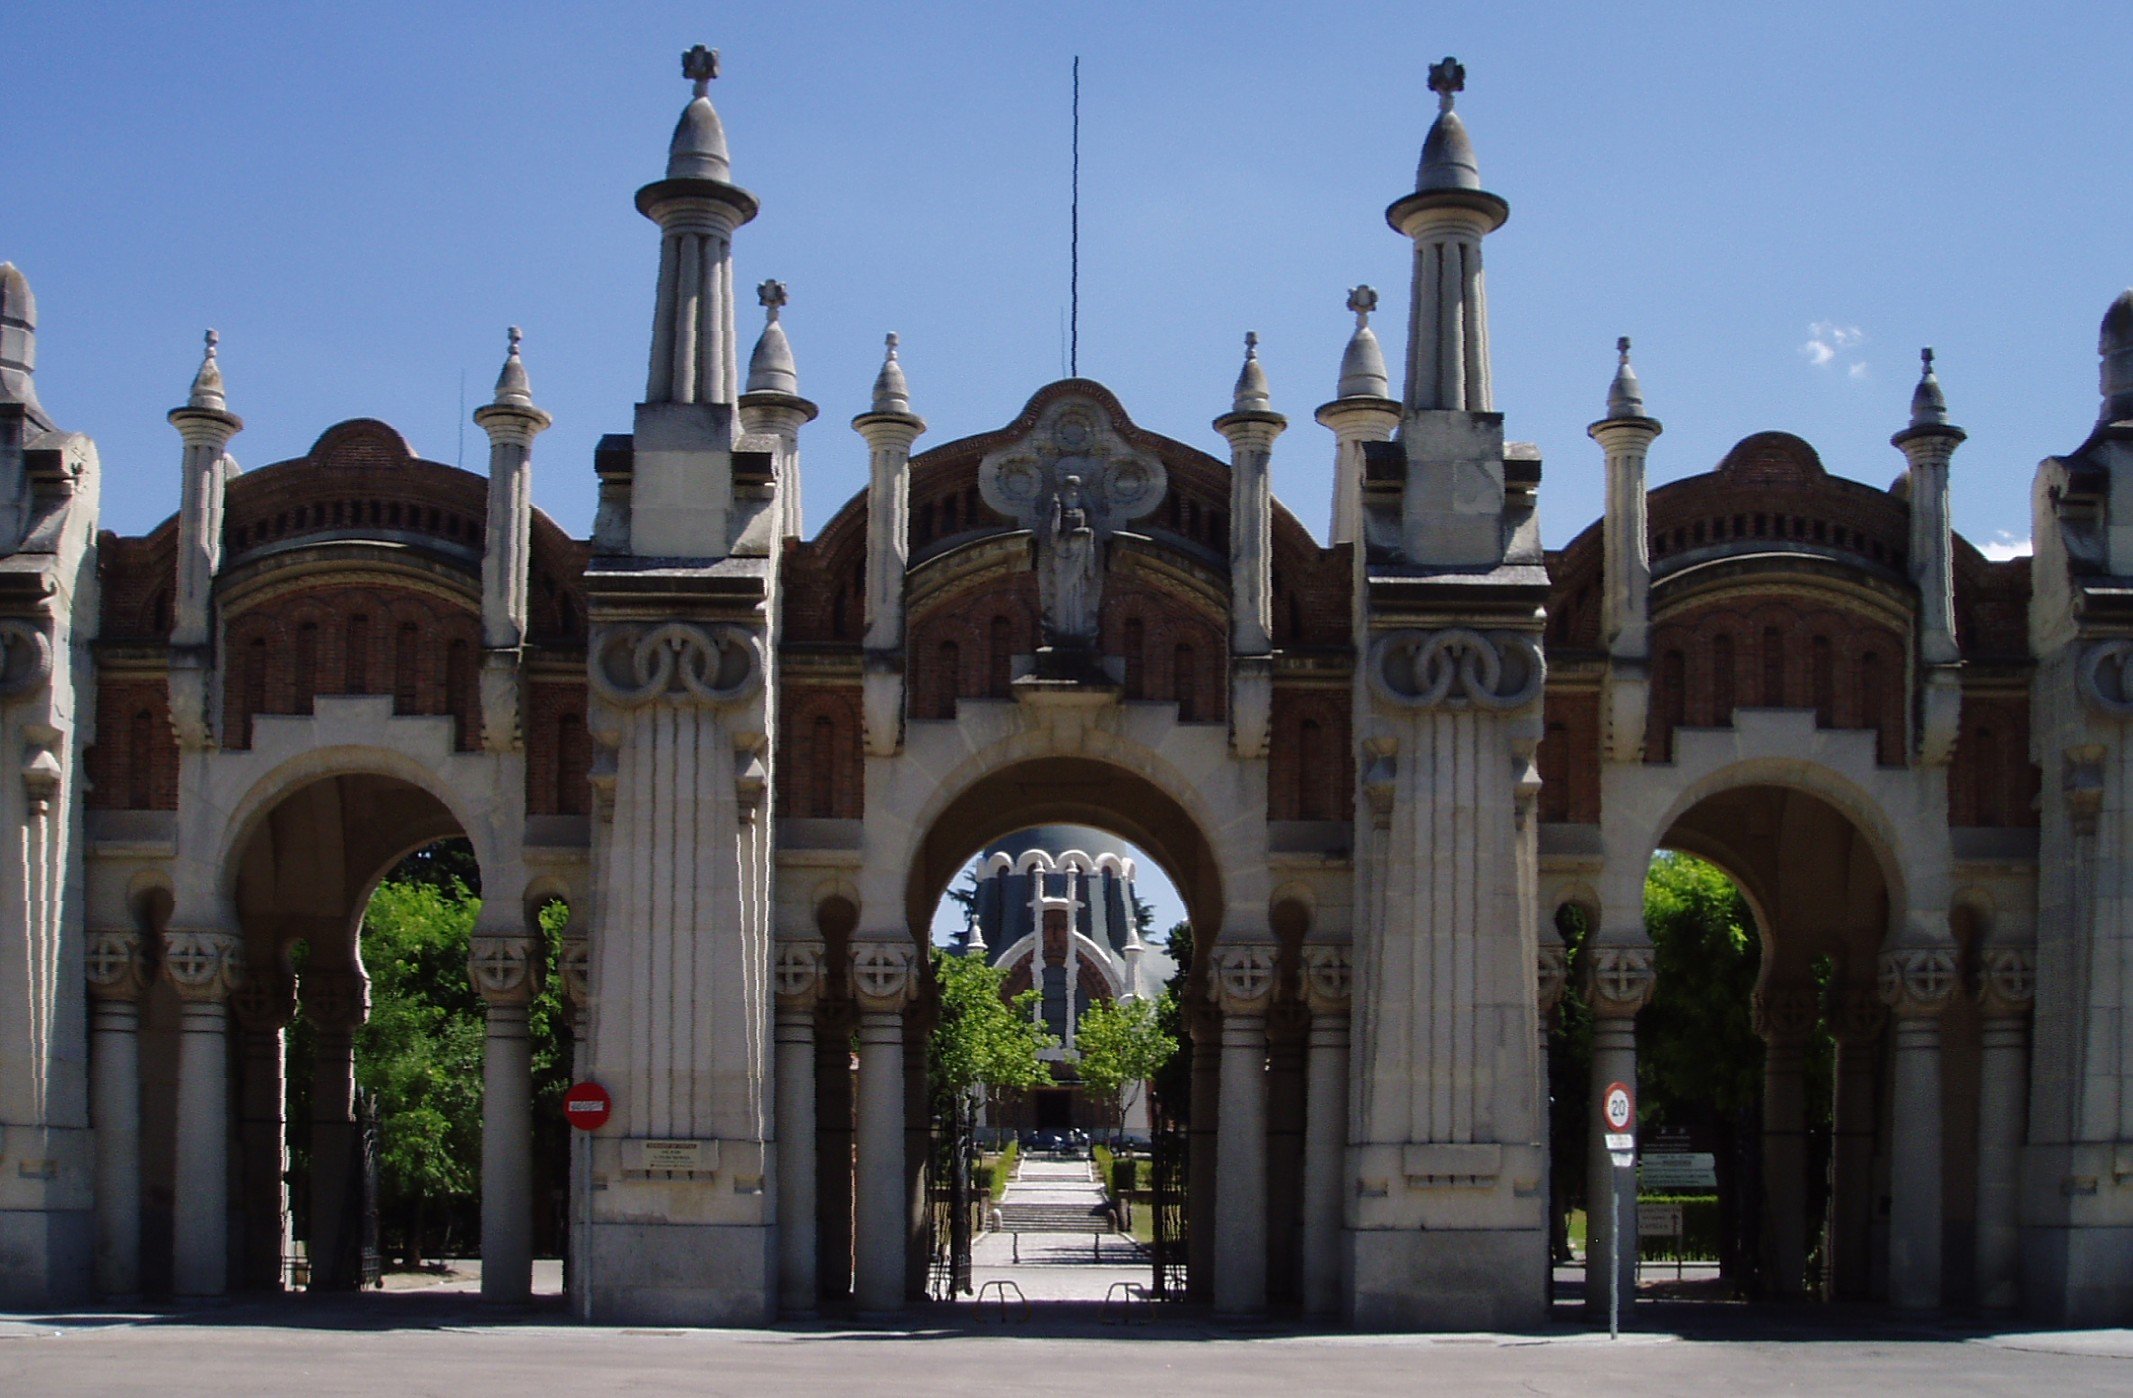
pixel 1618 1112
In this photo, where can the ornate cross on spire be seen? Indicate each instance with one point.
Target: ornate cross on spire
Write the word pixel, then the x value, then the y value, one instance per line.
pixel 700 65
pixel 1622 349
pixel 514 335
pixel 1251 344
pixel 1362 300
pixel 212 340
pixel 1445 79
pixel 770 296
pixel 1925 360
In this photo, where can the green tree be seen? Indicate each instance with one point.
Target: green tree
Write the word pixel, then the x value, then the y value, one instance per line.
pixel 1697 1053
pixel 983 1038
pixel 1120 1045
pixel 1172 1083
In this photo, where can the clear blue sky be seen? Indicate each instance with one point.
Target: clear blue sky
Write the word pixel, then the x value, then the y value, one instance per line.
pixel 361 197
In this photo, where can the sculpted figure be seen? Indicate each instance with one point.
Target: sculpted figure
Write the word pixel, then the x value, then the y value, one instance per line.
pixel 1070 574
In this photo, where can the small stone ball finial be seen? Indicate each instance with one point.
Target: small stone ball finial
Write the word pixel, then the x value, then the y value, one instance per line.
pixel 891 341
pixel 211 339
pixel 1929 406
pixel 700 65
pixel 1363 362
pixel 1446 79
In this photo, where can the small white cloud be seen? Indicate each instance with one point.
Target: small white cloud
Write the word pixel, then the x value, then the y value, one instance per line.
pixel 1827 340
pixel 1857 371
pixel 2003 546
pixel 1818 352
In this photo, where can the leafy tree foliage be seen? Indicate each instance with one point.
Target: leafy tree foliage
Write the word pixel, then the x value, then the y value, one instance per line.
pixel 983 1038
pixel 1697 1053
pixel 1121 1044
pixel 1172 1083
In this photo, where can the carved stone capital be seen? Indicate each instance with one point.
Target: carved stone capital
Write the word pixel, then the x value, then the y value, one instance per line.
pixel 1242 977
pixel 2104 679
pixel 573 966
pixel 676 662
pixel 1619 979
pixel 25 656
pixel 266 1002
pixel 1328 979
pixel 337 1001
pixel 1916 982
pixel 796 974
pixel 115 966
pixel 1551 970
pixel 1784 1015
pixel 2006 981
pixel 203 967
pixel 1456 668
pixel 505 970
pixel 190 683
pixel 884 975
pixel 1855 1014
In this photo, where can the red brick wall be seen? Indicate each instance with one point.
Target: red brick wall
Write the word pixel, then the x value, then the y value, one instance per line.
pixel 1311 763
pixel 558 749
pixel 133 763
pixel 1992 780
pixel 821 770
pixel 1569 756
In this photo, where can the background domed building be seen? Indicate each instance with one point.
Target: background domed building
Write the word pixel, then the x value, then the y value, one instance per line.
pixel 1055 907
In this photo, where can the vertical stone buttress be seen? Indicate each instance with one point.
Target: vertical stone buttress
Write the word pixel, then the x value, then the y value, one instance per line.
pixel 1447 1125
pixel 889 427
pixel 511 422
pixel 1251 427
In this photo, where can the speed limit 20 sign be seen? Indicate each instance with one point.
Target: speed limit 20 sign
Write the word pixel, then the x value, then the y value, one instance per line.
pixel 1618 1117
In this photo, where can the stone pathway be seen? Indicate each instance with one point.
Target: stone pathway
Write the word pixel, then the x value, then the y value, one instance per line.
pixel 1056 1266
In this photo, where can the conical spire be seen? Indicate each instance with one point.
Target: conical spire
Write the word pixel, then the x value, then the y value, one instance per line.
pixel 698 150
pixel 1447 154
pixel 1625 396
pixel 18 342
pixel 891 393
pixel 770 368
pixel 512 390
pixel 2116 345
pixel 1363 372
pixel 207 384
pixel 1929 406
pixel 1252 395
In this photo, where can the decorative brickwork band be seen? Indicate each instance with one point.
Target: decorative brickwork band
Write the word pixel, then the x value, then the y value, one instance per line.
pixel 204 967
pixel 1457 668
pixel 115 966
pixel 883 975
pixel 1243 981
pixel 2007 981
pixel 679 663
pixel 1917 981
pixel 1328 979
pixel 505 970
pixel 1619 979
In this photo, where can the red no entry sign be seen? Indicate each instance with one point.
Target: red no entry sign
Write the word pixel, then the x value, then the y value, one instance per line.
pixel 587 1106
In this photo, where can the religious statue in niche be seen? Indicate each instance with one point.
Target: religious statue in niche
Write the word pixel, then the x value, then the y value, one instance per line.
pixel 1070 575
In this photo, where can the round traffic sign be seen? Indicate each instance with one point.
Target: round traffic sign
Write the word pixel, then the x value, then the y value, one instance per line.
pixel 587 1106
pixel 1619 1107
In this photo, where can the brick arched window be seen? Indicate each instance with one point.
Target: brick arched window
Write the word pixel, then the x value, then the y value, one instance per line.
pixel 1000 657
pixel 406 640
pixel 1674 688
pixel 1187 683
pixel 306 663
pixel 459 689
pixel 1870 698
pixel 140 751
pixel 948 679
pixel 1773 695
pixel 255 684
pixel 1722 701
pixel 822 767
pixel 1822 670
pixel 573 764
pixel 1136 656
pixel 1313 772
pixel 356 660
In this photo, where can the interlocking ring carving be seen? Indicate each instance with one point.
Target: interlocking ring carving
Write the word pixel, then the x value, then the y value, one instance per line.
pixel 113 962
pixel 717 665
pixel 203 966
pixel 2007 979
pixel 1917 980
pixel 1329 978
pixel 25 656
pixel 1244 976
pixel 1620 978
pixel 796 973
pixel 573 965
pixel 881 973
pixel 1551 976
pixel 503 969
pixel 1784 1014
pixel 1457 667
pixel 2106 682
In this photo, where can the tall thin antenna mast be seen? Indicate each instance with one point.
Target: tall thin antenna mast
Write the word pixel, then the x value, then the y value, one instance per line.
pixel 1074 242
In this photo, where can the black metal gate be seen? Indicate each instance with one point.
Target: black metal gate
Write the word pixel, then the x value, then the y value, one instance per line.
pixel 370 1258
pixel 1168 1156
pixel 951 1199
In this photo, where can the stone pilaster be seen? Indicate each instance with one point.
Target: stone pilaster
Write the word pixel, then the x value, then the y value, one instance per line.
pixel 1619 980
pixel 337 1002
pixel 1328 983
pixel 117 974
pixel 1916 983
pixel 506 971
pixel 884 982
pixel 2006 993
pixel 797 975
pixel 1242 985
pixel 263 1007
pixel 1784 1017
pixel 203 967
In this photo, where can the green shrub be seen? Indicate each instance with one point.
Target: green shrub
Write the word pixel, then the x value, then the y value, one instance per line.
pixel 1700 1228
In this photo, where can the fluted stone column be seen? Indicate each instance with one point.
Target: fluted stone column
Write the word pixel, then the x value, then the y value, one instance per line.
pixel 884 975
pixel 506 971
pixel 799 985
pixel 1856 1021
pixel 2007 988
pixel 1620 983
pixel 1243 986
pixel 1784 1017
pixel 1328 980
pixel 263 1006
pixel 203 967
pixel 117 975
pixel 336 1001
pixel 1915 984
pixel 1201 1211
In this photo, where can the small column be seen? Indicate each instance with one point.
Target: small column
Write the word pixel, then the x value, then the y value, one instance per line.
pixel 2007 988
pixel 512 422
pixel 1328 980
pixel 117 975
pixel 799 986
pixel 1784 1018
pixel 337 1002
pixel 772 406
pixel 1365 411
pixel 1856 1021
pixel 203 967
pixel 1620 980
pixel 1243 986
pixel 573 968
pixel 1551 980
pixel 506 970
pixel 889 428
pixel 1928 445
pixel 263 1005
pixel 1201 1213
pixel 884 977
pixel 1251 427
pixel 1626 435
pixel 1915 984
pixel 206 424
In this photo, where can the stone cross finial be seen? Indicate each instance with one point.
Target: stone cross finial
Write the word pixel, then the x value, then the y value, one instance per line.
pixel 514 335
pixel 1622 349
pixel 1362 300
pixel 1251 344
pixel 1925 360
pixel 700 65
pixel 1445 79
pixel 770 296
pixel 891 342
pixel 212 340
